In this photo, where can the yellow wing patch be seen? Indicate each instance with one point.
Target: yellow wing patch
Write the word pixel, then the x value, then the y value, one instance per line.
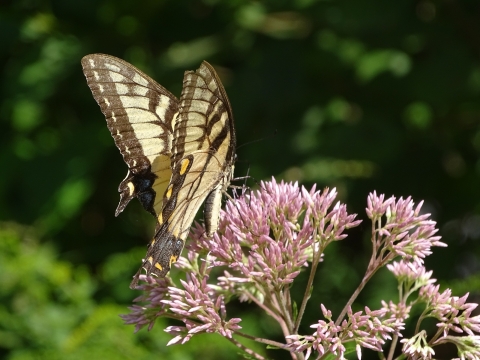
pixel 173 259
pixel 168 194
pixel 184 166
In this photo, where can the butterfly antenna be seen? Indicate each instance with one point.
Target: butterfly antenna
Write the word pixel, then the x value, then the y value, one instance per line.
pixel 259 139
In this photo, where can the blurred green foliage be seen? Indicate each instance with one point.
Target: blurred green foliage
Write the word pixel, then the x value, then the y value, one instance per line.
pixel 361 95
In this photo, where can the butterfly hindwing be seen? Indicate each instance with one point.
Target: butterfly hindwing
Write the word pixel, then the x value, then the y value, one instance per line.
pixel 167 244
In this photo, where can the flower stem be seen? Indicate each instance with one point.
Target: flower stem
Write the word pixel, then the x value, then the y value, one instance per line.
pixel 245 349
pixel 393 345
pixel 261 340
pixel 262 306
pixel 368 275
pixel 307 294
pixel 280 297
pixel 376 262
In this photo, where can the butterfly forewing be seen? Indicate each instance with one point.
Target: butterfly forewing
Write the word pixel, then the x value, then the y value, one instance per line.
pixel 141 116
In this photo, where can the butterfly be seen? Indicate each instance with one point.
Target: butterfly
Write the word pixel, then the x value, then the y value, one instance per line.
pixel 180 153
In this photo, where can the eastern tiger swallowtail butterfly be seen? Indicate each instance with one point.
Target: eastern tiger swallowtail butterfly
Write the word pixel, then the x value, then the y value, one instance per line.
pixel 179 153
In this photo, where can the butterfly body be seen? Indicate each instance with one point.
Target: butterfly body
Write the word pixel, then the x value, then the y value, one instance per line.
pixel 179 152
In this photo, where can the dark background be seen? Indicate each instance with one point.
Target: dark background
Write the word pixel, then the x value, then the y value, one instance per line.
pixel 360 95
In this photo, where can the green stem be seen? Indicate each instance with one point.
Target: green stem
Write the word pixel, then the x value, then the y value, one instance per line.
pixel 245 349
pixel 269 311
pixel 280 297
pixel 306 295
pixel 371 270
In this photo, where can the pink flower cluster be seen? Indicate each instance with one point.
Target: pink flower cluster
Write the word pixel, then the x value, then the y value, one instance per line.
pixel 369 329
pixel 401 229
pixel 267 237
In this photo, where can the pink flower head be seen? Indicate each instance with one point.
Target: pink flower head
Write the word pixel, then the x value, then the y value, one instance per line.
pixel 401 229
pixel 264 240
pixel 270 234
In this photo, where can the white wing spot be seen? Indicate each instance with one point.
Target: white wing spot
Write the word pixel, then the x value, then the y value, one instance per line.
pixel 100 87
pixel 122 89
pixel 162 107
pixel 139 115
pixel 140 80
pixel 135 102
pixel 112 67
pixel 95 74
pixel 116 77
pixel 140 90
pixel 151 146
pixel 107 102
pixel 92 63
pixel 118 134
pixel 146 130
